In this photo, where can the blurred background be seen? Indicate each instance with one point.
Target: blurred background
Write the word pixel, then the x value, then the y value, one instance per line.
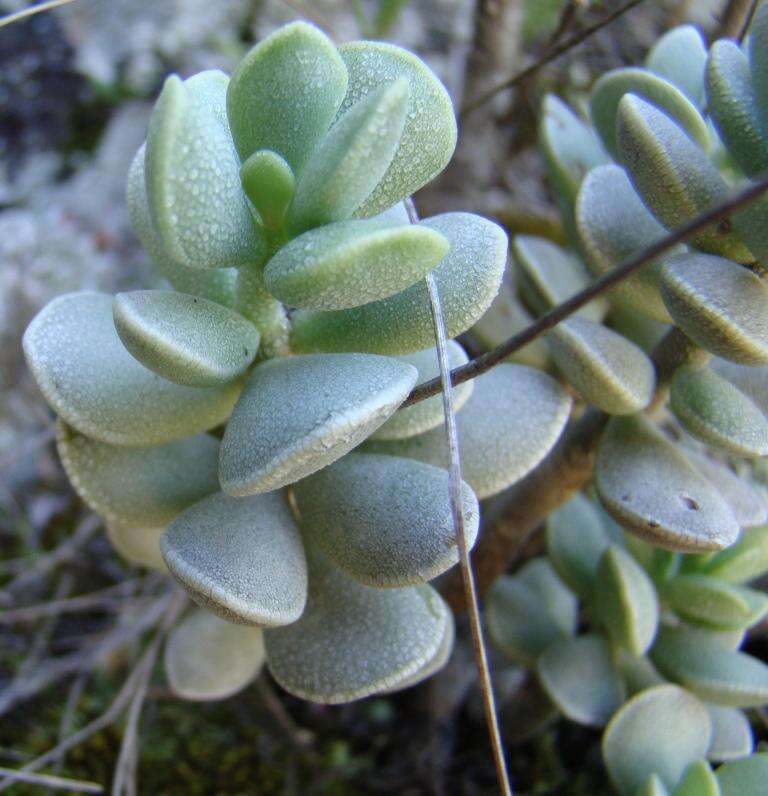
pixel 76 89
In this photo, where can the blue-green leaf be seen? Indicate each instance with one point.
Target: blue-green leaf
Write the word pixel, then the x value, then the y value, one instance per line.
pixel 680 56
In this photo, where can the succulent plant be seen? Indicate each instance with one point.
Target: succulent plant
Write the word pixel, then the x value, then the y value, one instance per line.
pixel 217 423
pixel 633 618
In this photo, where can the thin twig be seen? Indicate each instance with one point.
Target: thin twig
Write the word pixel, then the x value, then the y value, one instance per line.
pixel 608 281
pixel 457 511
pixel 735 18
pixel 548 57
pixel 51 781
pixel 747 22
pixel 17 16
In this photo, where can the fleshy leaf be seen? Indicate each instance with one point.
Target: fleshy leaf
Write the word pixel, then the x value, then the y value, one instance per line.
pixel 625 599
pixel 731 734
pixel 207 658
pixel 614 225
pixel 497 446
pixel 719 305
pixel 352 159
pixel 529 611
pixel 96 386
pixel 752 381
pixel 269 182
pixel 758 41
pixel 698 780
pixel 673 174
pixel 647 485
pixel 719 414
pixel 666 729
pixel 349 263
pixel 193 177
pixel 383 520
pixel 353 641
pixel 468 279
pixel 743 561
pixel 607 370
pixel 653 89
pixel 716 674
pixel 653 787
pixel 285 93
pixel 429 134
pixel 184 338
pixel 576 539
pixel 138 545
pixel 680 56
pixel 427 414
pixel 746 777
pixel 580 677
pixel 733 107
pixel 143 487
pixel 242 560
pixel 705 600
pixel 549 275
pixel 299 414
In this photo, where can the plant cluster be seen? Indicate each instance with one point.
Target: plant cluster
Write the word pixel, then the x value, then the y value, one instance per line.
pixel 632 619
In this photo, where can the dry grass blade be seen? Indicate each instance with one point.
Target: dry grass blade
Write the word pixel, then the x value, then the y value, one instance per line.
pixel 51 781
pixel 457 511
pixel 17 16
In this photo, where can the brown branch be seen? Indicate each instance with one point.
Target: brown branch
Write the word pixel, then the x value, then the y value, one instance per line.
pixel 735 19
pixel 484 362
pixel 551 55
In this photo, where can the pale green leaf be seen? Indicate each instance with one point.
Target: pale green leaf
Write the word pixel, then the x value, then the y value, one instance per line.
pixel 580 677
pixel 353 641
pixel 207 658
pixel 746 777
pixel 138 545
pixel 96 386
pixel 743 561
pixel 647 485
pixel 352 159
pixel 731 736
pixel 242 559
pixel 497 446
pixel 758 41
pixel 680 56
pixel 285 93
pixel 269 182
pixel 193 178
pixel 661 730
pixel 698 780
pixel 467 279
pixel 429 134
pixel 299 414
pixel 383 520
pixel 653 787
pixel 349 263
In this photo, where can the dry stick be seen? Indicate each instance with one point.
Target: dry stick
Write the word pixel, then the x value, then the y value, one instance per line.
pixel 50 781
pixel 747 22
pixel 553 54
pixel 625 269
pixel 17 16
pixel 735 18
pixel 457 511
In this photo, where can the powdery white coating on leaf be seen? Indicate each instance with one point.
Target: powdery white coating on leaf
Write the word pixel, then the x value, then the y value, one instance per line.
pixel 383 520
pixel 680 56
pixel 672 174
pixel 626 601
pixel 427 414
pixel 665 727
pixel 529 611
pixel 579 676
pixel 193 177
pixel 733 106
pixel 429 134
pixel 349 263
pixel 352 158
pixel 353 641
pixel 285 93
pixel 207 658
pixel 468 279
pixel 184 338
pixel 712 672
pixel 549 275
pixel 92 382
pixel 510 422
pixel 241 559
pixel 731 734
pixel 216 284
pixel 607 370
pixel 145 487
pixel 752 381
pixel 713 410
pixel 719 305
pixel 655 90
pixel 613 225
pixel 647 485
pixel 140 546
pixel 299 414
